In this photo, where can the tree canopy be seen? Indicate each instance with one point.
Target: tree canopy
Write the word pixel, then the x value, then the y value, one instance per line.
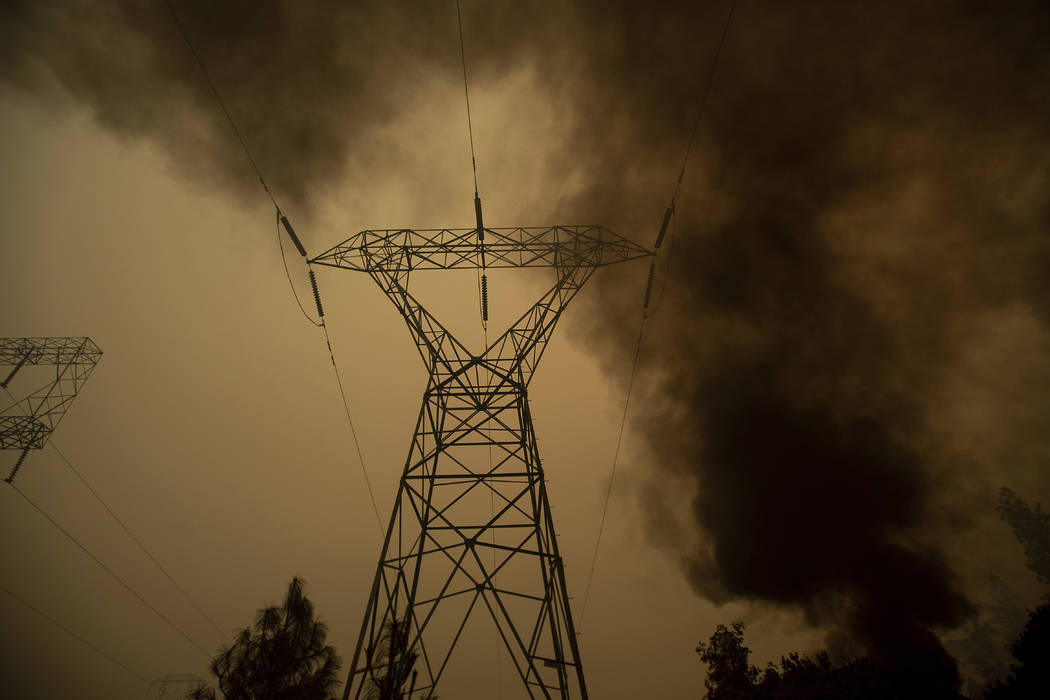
pixel 730 676
pixel 1031 527
pixel 283 656
pixel 1031 677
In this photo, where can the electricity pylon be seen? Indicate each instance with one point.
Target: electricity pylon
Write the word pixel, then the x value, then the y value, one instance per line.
pixel 28 423
pixel 471 528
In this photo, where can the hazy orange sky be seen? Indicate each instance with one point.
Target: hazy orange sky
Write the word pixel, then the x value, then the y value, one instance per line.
pixel 213 425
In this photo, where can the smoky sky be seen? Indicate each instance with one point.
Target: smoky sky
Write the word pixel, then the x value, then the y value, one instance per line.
pixel 867 180
pixel 877 179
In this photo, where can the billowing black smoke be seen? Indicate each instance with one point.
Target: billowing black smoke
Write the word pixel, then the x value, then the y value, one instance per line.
pixel 304 81
pixel 868 179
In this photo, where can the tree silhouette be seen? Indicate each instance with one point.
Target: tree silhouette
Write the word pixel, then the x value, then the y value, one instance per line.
pixel 1032 530
pixel 729 675
pixel 799 677
pixel 283 656
pixel 397 660
pixel 1031 677
pixel 986 644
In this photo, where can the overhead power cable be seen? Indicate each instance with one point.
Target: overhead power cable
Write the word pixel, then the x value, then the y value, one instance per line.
pixel 670 218
pixel 483 278
pixel 483 298
pixel 703 99
pixel 130 534
pixel 110 571
pixel 138 542
pixel 672 209
pixel 218 98
pixel 650 311
pixel 287 274
pixel 466 94
pixel 73 634
pixel 353 430
pixel 282 221
pixel 612 473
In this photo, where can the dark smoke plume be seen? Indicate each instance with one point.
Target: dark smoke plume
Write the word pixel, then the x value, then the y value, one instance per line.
pixel 305 81
pixel 872 178
pixel 870 181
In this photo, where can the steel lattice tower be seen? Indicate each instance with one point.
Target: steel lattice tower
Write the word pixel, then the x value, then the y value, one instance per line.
pixel 28 423
pixel 472 510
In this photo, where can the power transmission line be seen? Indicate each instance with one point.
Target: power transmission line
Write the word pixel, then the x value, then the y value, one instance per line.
pixel 287 274
pixel 218 98
pixel 247 152
pixel 466 94
pixel 128 531
pixel 138 542
pixel 483 304
pixel 110 571
pixel 669 216
pixel 72 634
pixel 703 99
pixel 612 474
pixel 282 220
pixel 353 431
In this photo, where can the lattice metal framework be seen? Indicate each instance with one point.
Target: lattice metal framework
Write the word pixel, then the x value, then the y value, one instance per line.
pixel 27 423
pixel 471 529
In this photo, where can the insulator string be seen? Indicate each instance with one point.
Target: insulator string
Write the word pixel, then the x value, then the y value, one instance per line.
pixel 484 298
pixel 288 275
pixel 18 465
pixel 317 294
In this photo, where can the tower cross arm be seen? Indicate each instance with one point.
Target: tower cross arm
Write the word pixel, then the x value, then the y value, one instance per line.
pixel 27 423
pixel 47 351
pixel 404 250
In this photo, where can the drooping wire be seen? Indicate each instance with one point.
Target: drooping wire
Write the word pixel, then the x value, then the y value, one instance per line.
pixel 281 219
pixel 612 474
pixel 669 216
pixel 353 430
pixel 72 634
pixel 129 533
pixel 288 275
pixel 483 303
pixel 703 99
pixel 218 98
pixel 466 94
pixel 137 541
pixel 483 280
pixel 110 571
